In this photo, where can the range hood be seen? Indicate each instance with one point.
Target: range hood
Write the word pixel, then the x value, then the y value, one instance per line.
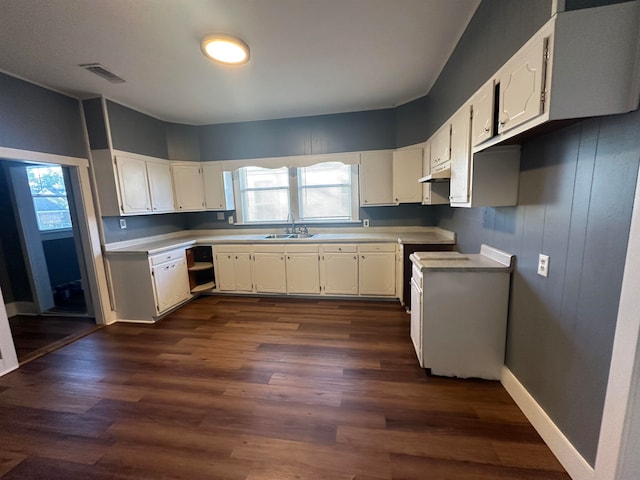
pixel 443 175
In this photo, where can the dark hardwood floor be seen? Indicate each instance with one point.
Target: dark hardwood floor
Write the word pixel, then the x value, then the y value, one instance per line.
pixel 36 335
pixel 260 389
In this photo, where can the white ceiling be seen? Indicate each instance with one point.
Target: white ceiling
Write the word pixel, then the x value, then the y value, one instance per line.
pixel 308 57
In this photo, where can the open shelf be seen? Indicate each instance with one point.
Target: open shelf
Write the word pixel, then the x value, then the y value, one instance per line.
pixel 200 267
pixel 203 287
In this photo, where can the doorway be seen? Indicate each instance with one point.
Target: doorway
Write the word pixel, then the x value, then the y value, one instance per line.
pixel 42 260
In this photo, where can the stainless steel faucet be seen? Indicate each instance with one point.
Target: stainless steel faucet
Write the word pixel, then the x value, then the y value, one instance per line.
pixel 291 219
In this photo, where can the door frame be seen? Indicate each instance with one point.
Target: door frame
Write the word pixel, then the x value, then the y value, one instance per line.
pixel 88 228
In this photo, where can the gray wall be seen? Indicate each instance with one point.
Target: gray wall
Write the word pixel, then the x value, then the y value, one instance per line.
pixel 34 118
pixel 136 132
pixel 347 132
pixel 576 194
pixel 14 279
pixel 577 187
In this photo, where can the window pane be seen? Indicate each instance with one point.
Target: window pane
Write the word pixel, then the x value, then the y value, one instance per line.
pixel 324 192
pixel 49 197
pixel 325 203
pixel 264 194
pixel 330 173
pixel 265 205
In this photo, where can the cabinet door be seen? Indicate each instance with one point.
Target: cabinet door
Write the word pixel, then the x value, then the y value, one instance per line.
pixel 242 264
pixel 225 272
pixel 340 273
pixel 521 84
pixel 460 155
pixel 303 273
pixel 482 119
pixel 441 148
pixel 215 194
pixel 187 181
pixel 134 188
pixel 407 170
pixel 269 272
pixel 376 178
pixel 377 273
pixel 171 284
pixel 160 187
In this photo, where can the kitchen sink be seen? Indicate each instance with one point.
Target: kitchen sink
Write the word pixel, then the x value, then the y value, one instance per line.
pixel 284 236
pixel 278 235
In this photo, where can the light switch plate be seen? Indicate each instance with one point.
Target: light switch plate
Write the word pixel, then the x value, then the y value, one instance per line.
pixel 543 265
pixel 123 223
pixel 230 219
pixel 365 222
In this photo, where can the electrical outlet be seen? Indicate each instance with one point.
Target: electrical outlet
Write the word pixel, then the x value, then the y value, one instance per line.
pixel 123 223
pixel 220 215
pixel 365 222
pixel 543 265
pixel 230 219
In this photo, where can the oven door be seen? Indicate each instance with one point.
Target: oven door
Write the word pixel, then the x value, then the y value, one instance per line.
pixel 416 319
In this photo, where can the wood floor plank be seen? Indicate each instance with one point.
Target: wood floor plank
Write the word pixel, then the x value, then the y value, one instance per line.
pixel 260 388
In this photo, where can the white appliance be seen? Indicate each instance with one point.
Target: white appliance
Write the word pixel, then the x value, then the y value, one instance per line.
pixel 459 305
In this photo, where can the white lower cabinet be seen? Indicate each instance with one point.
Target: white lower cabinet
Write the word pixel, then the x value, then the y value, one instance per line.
pixel 377 269
pixel 269 269
pixel 339 269
pixel 233 268
pixel 309 269
pixel 146 287
pixel 303 269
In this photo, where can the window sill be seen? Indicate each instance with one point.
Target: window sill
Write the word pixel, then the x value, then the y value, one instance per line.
pixel 298 223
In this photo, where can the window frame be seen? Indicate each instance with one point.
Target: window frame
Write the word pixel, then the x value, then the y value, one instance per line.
pixel 294 201
pixel 51 231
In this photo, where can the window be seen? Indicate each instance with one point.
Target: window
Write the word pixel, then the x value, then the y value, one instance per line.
pixel 49 197
pixel 264 194
pixel 325 192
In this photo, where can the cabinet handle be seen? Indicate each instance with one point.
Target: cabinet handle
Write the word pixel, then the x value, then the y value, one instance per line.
pixel 366 201
pixel 355 257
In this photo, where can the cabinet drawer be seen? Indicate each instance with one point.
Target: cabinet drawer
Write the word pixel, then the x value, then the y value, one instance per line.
pixel 339 248
pixel 268 248
pixel 166 257
pixel 377 247
pixel 232 248
pixel 301 248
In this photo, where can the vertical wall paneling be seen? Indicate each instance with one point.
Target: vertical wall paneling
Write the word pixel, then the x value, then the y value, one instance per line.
pixel 577 187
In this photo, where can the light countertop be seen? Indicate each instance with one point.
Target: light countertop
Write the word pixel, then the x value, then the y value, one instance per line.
pixel 490 259
pixel 402 235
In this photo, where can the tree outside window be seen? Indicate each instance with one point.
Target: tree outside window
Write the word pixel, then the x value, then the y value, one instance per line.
pixel 49 197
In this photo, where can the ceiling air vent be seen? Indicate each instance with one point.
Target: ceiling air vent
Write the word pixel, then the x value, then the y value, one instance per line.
pixel 101 71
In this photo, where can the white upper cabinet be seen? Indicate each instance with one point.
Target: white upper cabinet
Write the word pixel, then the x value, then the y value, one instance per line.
pixel 160 187
pixel 482 106
pixel 376 178
pixel 189 187
pixel 521 86
pixel 460 154
pixel 432 193
pixel 441 148
pixel 218 187
pixel 407 170
pixel 134 186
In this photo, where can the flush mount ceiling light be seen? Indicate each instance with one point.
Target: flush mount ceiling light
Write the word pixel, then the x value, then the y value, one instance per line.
pixel 225 49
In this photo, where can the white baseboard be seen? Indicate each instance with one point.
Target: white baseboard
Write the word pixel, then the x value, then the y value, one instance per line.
pixel 577 467
pixel 21 308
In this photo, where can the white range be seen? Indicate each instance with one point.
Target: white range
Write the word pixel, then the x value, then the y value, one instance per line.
pixel 459 307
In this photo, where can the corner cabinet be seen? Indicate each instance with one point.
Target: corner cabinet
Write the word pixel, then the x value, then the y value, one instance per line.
pixel 200 268
pixel 189 187
pixel 147 287
pixel 376 178
pixel 377 269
